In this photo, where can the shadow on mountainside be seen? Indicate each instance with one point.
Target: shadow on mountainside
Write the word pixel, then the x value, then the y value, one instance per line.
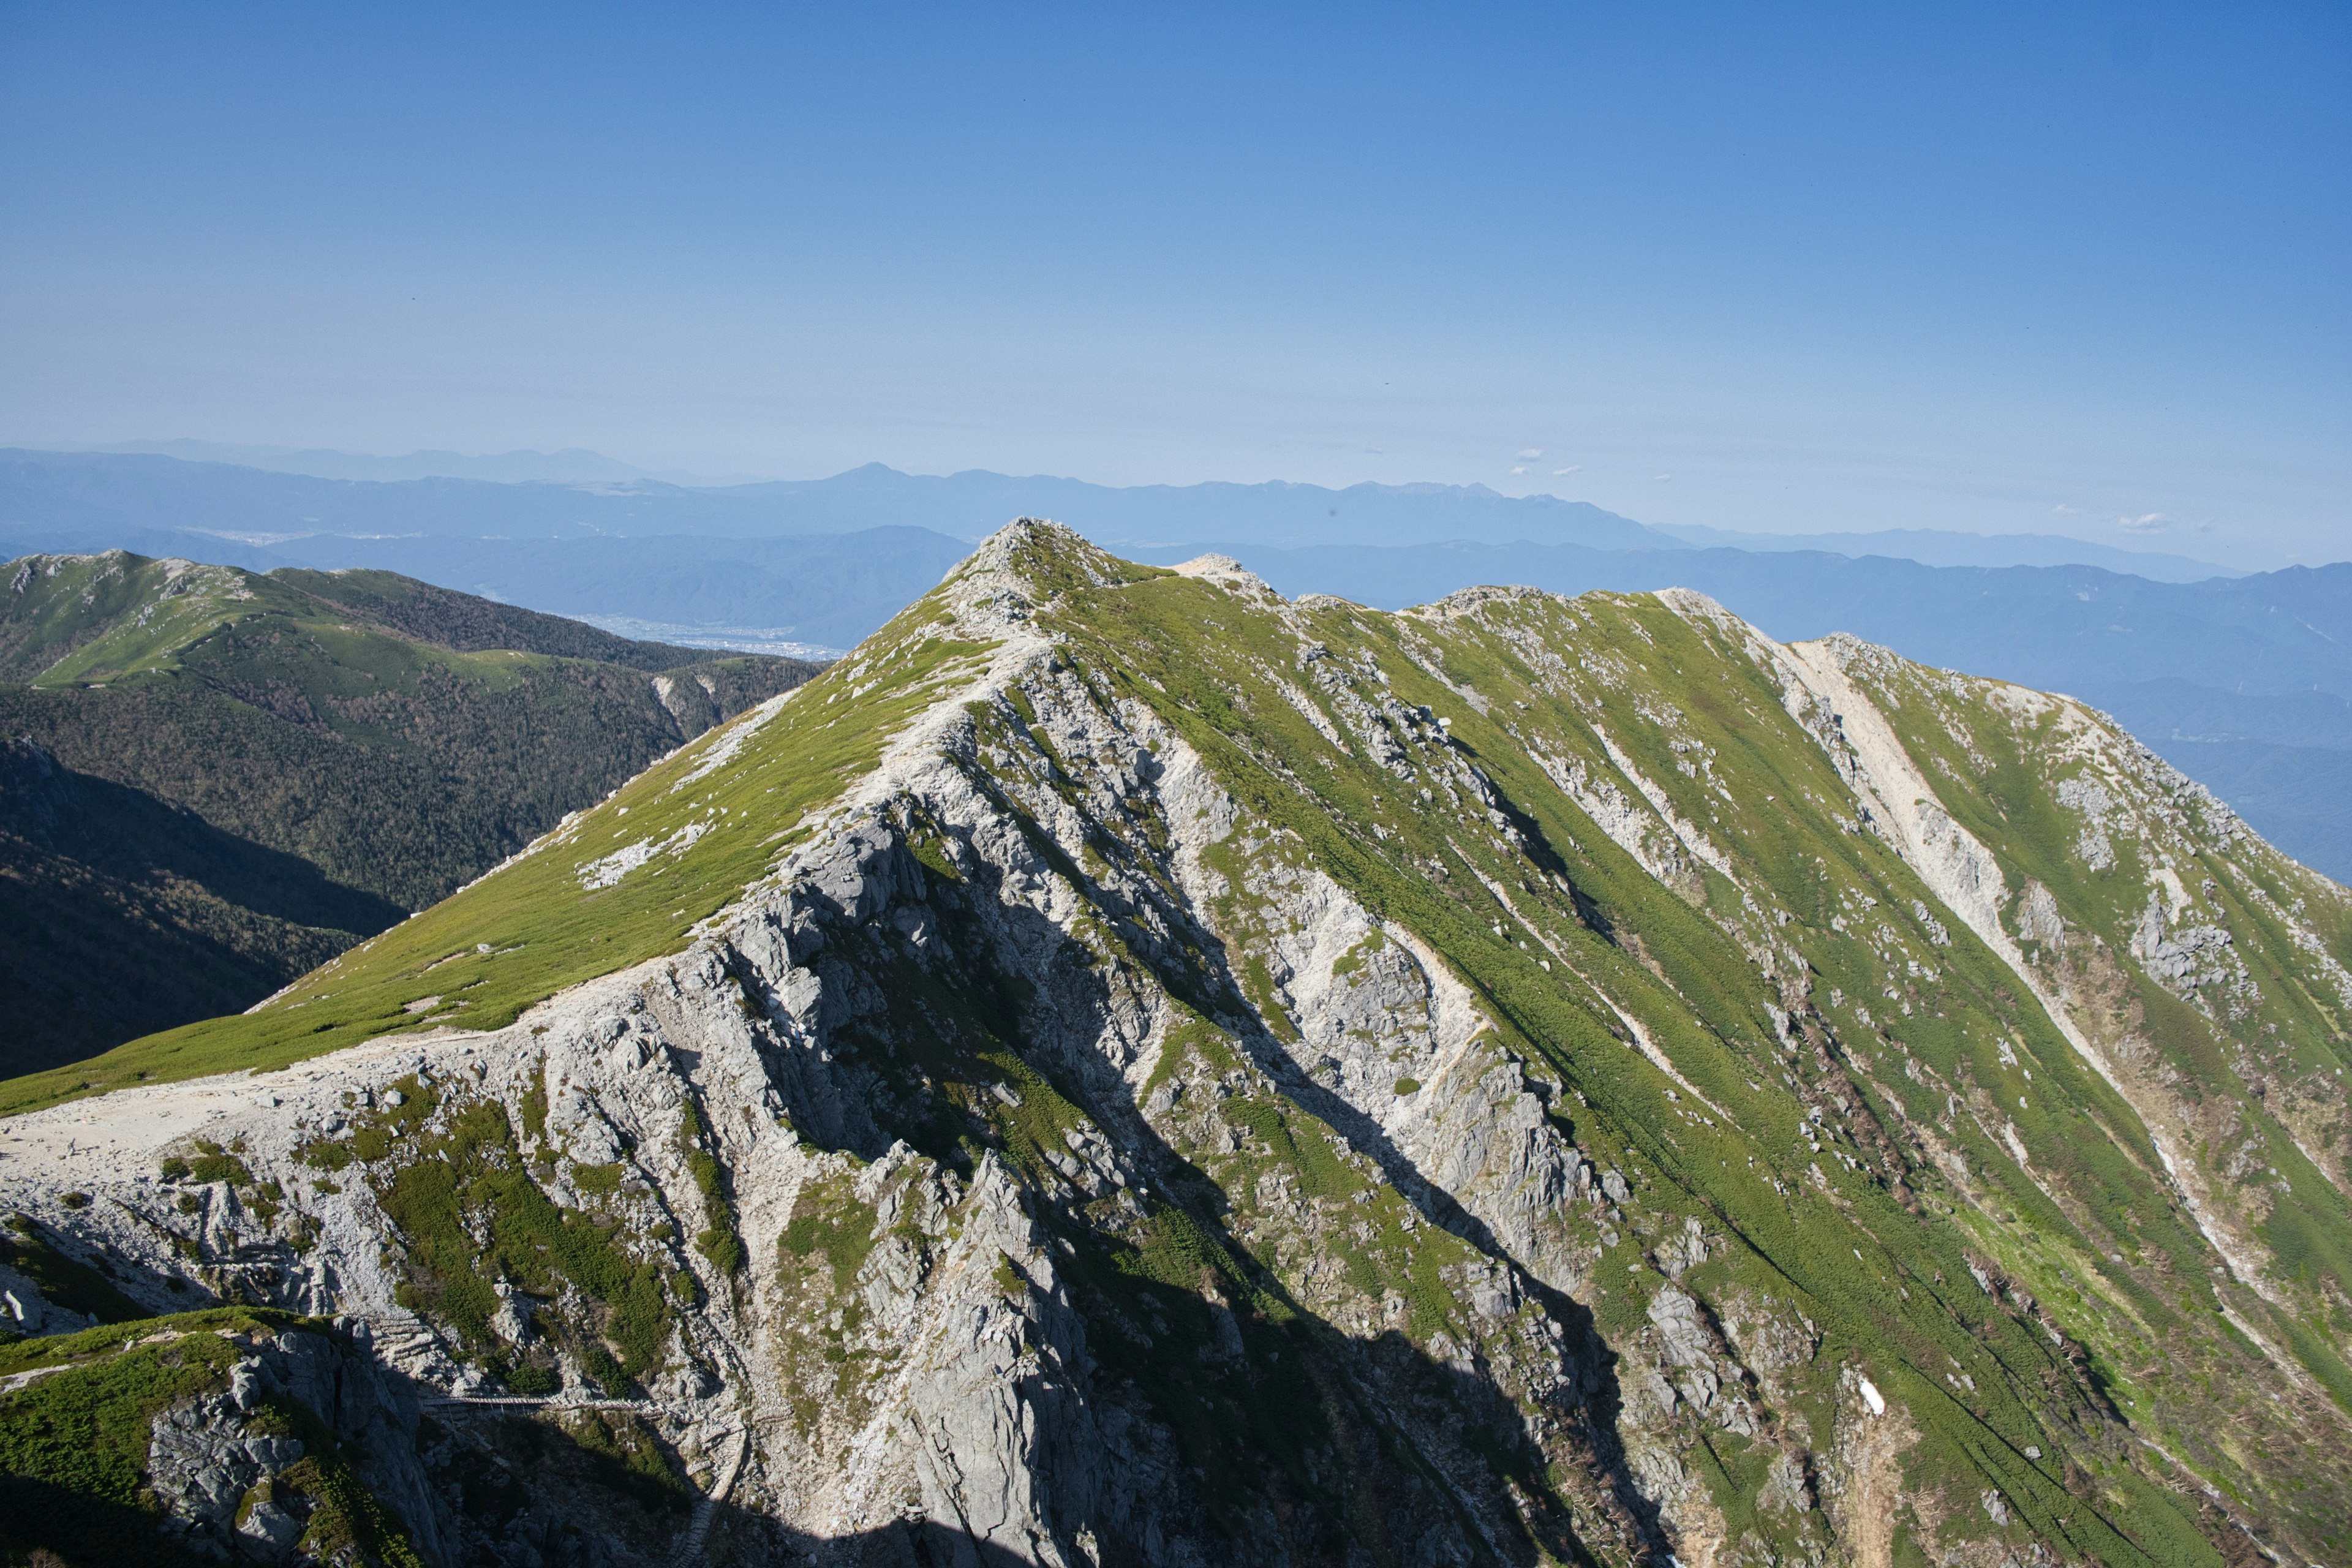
pixel 45 1523
pixel 123 915
pixel 1340 1438
pixel 1287 1437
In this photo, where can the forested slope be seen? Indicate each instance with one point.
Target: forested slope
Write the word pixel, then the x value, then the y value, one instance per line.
pixel 195 746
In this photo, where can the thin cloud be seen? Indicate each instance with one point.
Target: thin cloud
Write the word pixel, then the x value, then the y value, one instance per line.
pixel 2145 523
pixel 1571 468
pixel 2064 510
pixel 1531 454
pixel 1520 469
pixel 1662 476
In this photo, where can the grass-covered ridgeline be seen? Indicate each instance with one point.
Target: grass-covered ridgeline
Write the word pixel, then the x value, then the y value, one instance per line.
pixel 1206 665
pixel 536 925
pixel 1906 1028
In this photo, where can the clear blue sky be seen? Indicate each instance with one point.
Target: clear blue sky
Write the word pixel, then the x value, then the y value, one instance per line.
pixel 1896 265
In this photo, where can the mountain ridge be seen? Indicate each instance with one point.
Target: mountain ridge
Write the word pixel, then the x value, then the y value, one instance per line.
pixel 1156 1070
pixel 2260 657
pixel 1946 547
pixel 1076 497
pixel 246 765
pixel 87 485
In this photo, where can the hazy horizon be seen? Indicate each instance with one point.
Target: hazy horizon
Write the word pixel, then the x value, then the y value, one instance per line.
pixel 467 466
pixel 1850 269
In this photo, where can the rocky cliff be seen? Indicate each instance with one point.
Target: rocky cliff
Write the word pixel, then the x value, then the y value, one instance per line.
pixel 1126 1068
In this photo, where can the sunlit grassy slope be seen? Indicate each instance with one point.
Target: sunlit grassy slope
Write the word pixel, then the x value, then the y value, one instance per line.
pixel 534 926
pixel 1914 1038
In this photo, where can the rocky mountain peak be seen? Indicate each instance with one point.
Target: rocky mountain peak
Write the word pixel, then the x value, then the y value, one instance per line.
pixel 1126 1068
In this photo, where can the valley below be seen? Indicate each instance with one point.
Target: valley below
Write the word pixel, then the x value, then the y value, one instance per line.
pixel 211 781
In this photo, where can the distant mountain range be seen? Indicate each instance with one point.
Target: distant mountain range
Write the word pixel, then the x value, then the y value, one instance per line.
pixel 877 496
pixel 253 506
pixel 574 492
pixel 212 780
pixel 1941 547
pixel 2242 680
pixel 571 465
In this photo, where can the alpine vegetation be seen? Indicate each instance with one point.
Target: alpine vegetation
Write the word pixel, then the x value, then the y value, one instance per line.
pixel 211 781
pixel 1128 1068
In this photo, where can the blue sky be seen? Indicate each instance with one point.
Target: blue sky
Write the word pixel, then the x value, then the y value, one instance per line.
pixel 1888 266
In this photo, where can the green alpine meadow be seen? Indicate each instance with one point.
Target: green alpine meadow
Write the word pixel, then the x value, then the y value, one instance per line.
pixel 1129 1069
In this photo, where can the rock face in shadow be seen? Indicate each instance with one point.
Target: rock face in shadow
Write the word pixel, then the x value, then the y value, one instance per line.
pixel 1223 1110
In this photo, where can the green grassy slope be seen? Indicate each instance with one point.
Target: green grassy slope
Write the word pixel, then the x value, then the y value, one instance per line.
pixel 398 737
pixel 1879 1211
pixel 74 618
pixel 2221 1017
pixel 2093 1248
pixel 532 927
pixel 470 624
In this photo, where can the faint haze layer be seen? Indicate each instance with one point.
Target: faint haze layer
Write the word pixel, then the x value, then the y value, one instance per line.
pixel 2009 270
pixel 327 496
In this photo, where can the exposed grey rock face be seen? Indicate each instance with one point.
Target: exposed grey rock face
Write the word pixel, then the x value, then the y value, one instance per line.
pixel 2186 959
pixel 2091 798
pixel 218 1464
pixel 2038 919
pixel 204 1461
